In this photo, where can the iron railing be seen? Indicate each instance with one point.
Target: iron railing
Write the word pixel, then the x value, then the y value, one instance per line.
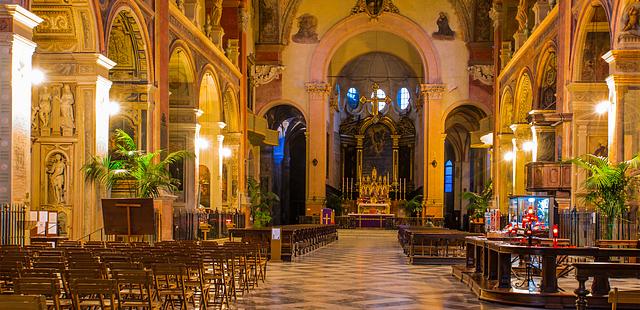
pixel 585 228
pixel 392 223
pixel 187 224
pixel 13 218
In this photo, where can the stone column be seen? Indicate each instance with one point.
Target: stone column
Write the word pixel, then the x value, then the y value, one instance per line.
pixel 522 135
pixel 317 142
pixel 504 168
pixel 16 48
pixel 433 161
pixel 359 152
pixel 544 139
pixel 622 83
pixel 396 146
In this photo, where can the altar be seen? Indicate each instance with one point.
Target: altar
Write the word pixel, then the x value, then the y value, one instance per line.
pixel 370 220
pixel 374 208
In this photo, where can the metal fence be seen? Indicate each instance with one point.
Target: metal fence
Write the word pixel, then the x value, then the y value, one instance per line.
pixel 585 228
pixel 12 224
pixel 187 224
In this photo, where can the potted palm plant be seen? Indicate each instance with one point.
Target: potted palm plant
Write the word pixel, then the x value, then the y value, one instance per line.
pixel 261 203
pixel 413 207
pixel 138 174
pixel 610 185
pixel 478 202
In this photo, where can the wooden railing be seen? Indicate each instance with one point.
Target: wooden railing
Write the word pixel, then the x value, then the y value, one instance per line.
pixel 548 176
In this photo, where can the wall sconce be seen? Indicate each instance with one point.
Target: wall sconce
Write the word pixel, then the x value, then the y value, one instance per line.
pixel 434 163
pixel 314 162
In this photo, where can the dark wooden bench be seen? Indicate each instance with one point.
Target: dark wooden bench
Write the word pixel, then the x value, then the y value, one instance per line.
pixel 603 272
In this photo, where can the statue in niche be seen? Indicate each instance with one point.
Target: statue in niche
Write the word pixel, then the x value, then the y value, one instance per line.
pixel 44 107
pixel 216 15
pixel 34 117
pixel 631 21
pixel 180 4
pixel 66 109
pixel 444 30
pixel 306 34
pixel 56 171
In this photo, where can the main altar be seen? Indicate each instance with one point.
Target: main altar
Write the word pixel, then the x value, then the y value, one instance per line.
pixel 374 202
pixel 374 194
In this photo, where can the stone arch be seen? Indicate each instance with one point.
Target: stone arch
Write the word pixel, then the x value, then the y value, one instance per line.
pixel 506 110
pixel 351 26
pixel 127 44
pixel 547 79
pixel 272 104
pixel 125 20
pixel 209 97
pixel 372 121
pixel 583 28
pixel 523 97
pixel 486 110
pixel 230 109
pixel 182 76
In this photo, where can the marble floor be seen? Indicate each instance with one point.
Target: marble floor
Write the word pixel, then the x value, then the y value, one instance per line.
pixel 364 269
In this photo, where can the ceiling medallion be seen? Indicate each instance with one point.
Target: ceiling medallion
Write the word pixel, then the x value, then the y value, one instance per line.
pixel 374 8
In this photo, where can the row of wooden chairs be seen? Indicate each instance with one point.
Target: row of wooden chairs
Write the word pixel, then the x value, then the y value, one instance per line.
pixel 167 275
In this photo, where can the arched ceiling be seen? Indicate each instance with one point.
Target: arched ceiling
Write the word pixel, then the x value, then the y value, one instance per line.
pixel 376 41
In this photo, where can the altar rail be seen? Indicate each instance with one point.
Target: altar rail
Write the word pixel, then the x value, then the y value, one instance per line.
pixel 297 240
pixel 12 224
pixel 433 246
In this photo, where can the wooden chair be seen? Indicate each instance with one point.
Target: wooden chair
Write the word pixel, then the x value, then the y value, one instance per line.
pixel 48 287
pixel 169 280
pixel 92 293
pixel 217 276
pixel 135 288
pixel 23 302
pixel 623 297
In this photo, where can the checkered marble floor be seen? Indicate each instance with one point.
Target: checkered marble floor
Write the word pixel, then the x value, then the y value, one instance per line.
pixel 364 269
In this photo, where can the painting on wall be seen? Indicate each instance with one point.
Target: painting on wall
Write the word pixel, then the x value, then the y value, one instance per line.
pixel 377 150
pixel 444 30
pixel 205 186
pixel 306 34
pixel 594 68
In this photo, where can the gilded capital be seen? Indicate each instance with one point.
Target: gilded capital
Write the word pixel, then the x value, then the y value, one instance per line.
pixel 317 87
pixel 432 91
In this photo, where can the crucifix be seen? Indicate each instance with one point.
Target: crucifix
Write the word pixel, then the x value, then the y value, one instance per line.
pixel 375 100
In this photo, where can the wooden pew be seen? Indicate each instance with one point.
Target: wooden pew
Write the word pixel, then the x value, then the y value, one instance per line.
pixel 604 271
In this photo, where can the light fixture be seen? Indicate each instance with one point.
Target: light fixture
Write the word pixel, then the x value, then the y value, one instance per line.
pixel 113 108
pixel 37 76
pixel 202 143
pixel 198 112
pixel 225 152
pixel 508 156
pixel 222 125
pixel 487 139
pixel 528 146
pixel 603 107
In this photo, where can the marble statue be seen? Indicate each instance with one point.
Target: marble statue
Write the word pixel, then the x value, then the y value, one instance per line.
pixel 522 17
pixel 56 174
pixel 66 108
pixel 44 107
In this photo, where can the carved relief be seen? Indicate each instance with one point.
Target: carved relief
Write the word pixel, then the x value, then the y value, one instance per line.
pixel 482 73
pixel 374 8
pixel 524 99
pixel 264 74
pixel 44 107
pixel 549 81
pixel 66 111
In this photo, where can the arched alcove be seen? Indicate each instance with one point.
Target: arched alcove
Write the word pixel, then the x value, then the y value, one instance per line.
pixel 283 167
pixel 468 167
